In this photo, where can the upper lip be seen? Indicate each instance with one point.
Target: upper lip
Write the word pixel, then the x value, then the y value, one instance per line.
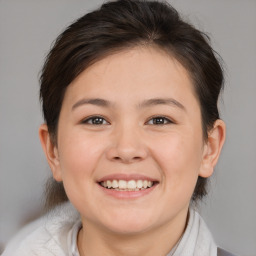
pixel 121 176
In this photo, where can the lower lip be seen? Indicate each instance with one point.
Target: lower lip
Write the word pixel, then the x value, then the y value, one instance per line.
pixel 127 194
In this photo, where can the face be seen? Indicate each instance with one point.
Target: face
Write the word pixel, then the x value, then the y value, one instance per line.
pixel 130 144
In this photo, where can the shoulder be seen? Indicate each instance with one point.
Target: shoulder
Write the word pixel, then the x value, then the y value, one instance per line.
pixel 45 236
pixel 222 252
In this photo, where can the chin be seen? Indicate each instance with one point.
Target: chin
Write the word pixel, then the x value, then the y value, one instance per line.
pixel 127 229
pixel 128 224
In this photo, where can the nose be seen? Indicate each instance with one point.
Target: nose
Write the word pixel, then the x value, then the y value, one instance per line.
pixel 127 146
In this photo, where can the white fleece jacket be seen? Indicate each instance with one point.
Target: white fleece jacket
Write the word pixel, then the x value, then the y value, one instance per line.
pixel 51 235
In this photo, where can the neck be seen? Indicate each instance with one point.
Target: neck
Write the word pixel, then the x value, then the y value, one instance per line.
pixel 93 240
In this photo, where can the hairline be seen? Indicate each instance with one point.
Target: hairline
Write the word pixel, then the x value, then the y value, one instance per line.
pixel 144 44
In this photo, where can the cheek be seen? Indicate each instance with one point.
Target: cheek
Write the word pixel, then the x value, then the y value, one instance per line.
pixel 179 158
pixel 79 155
pixel 79 158
pixel 178 150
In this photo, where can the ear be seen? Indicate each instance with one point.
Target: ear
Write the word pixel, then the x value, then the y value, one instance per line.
pixel 212 148
pixel 51 152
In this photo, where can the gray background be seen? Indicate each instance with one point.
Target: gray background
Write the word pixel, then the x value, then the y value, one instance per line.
pixel 27 29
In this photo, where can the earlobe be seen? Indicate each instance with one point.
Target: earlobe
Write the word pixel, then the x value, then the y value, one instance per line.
pixel 212 148
pixel 51 152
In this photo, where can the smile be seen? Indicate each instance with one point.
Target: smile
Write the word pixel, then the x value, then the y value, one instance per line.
pixel 129 185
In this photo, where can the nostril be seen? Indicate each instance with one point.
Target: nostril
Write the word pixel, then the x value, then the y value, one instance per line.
pixel 126 154
pixel 127 158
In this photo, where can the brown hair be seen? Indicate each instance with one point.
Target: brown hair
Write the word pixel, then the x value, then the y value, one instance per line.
pixel 117 25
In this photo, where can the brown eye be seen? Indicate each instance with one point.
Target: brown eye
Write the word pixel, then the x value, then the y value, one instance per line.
pixel 95 120
pixel 159 120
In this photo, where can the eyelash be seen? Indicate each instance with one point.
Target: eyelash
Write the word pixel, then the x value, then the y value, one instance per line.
pixel 159 120
pixel 99 120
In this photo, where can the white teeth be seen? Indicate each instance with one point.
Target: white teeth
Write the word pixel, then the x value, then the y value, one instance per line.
pixel 109 184
pixel 122 184
pixel 139 183
pixel 114 184
pixel 130 185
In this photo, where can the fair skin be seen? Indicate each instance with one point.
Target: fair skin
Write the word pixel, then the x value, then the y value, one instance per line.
pixel 132 116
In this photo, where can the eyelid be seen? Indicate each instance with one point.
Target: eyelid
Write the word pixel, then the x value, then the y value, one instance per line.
pixel 169 120
pixel 85 120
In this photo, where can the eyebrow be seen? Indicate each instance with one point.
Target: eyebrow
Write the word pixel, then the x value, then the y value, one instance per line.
pixel 96 101
pixel 146 103
pixel 162 101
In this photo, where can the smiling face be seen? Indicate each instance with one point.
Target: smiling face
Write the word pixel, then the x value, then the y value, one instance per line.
pixel 130 143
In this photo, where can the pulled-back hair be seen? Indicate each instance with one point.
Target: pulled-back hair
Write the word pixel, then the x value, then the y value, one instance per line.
pixel 119 25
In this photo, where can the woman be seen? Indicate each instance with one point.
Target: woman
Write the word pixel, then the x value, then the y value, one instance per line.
pixel 132 132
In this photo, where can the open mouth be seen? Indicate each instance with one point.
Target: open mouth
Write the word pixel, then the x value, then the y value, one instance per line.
pixel 129 185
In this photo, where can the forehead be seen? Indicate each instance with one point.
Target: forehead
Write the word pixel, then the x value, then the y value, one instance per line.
pixel 138 69
pixel 128 79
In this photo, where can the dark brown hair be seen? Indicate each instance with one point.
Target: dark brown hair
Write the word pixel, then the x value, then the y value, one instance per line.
pixel 123 24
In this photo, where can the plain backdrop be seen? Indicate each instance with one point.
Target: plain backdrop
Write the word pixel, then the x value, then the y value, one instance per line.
pixel 27 30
